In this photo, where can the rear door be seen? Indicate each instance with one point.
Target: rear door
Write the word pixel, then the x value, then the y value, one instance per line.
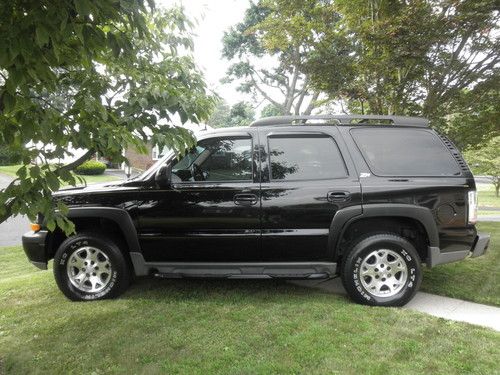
pixel 307 176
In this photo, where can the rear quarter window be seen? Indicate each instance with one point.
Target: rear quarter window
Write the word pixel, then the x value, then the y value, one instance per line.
pixel 405 152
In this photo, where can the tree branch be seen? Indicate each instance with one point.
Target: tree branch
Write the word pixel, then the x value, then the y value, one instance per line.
pixel 312 104
pixel 76 163
pixel 264 94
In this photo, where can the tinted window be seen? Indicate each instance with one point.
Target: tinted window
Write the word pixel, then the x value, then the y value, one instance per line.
pixel 305 158
pixel 405 152
pixel 217 159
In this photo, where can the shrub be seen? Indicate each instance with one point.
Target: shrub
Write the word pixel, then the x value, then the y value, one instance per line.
pixel 91 167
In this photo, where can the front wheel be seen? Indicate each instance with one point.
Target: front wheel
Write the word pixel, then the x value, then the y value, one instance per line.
pixel 382 270
pixel 90 266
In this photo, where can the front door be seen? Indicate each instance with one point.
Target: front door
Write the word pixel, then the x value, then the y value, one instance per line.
pixel 306 178
pixel 211 213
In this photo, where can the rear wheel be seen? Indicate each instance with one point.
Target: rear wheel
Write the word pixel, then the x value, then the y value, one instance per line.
pixel 90 266
pixel 382 270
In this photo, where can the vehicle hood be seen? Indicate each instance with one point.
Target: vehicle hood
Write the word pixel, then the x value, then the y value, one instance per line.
pixel 105 187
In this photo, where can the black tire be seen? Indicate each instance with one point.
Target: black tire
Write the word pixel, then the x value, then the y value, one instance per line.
pixel 363 289
pixel 107 252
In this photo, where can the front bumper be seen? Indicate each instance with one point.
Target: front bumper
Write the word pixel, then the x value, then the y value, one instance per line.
pixel 34 247
pixel 479 247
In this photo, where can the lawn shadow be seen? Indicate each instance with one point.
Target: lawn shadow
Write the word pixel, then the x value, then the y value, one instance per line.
pixel 231 289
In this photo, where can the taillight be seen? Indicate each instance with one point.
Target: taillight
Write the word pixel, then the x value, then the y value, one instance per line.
pixel 472 212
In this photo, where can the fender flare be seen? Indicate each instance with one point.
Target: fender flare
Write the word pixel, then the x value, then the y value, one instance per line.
pixel 118 215
pixel 345 217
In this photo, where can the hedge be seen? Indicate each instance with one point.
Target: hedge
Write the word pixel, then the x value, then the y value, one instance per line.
pixel 91 167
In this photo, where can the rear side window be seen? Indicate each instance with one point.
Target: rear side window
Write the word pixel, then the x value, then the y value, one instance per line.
pixel 305 157
pixel 405 152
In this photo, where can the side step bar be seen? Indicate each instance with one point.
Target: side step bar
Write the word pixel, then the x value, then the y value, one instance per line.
pixel 237 270
pixel 217 275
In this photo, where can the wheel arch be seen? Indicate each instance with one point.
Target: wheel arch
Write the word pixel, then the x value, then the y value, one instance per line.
pixel 380 215
pixel 115 219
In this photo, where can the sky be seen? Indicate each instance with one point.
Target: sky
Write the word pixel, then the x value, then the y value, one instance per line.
pixel 212 18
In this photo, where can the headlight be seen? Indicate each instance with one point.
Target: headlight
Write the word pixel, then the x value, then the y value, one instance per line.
pixel 472 213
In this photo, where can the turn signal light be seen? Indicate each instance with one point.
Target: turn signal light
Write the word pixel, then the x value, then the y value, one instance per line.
pixel 35 227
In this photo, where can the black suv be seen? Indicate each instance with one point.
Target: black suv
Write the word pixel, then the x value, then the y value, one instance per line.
pixel 368 198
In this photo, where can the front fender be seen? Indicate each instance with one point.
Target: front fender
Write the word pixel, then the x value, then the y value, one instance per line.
pixel 118 215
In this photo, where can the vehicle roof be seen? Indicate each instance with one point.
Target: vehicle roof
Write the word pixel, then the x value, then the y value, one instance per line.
pixel 302 122
pixel 350 120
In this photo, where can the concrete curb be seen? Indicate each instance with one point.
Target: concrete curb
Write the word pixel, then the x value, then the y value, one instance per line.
pixel 442 307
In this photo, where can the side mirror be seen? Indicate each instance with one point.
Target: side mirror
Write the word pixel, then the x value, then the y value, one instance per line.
pixel 163 176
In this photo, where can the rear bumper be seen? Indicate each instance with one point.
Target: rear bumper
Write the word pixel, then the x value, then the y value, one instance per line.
pixel 34 247
pixel 481 245
pixel 437 256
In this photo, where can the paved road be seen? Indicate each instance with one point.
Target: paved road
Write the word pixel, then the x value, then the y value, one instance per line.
pixel 12 229
pixel 443 307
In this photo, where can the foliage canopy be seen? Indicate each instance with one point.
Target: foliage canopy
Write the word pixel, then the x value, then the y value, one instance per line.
pixel 96 75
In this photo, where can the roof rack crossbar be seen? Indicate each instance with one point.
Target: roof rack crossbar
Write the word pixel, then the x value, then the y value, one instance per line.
pixel 342 120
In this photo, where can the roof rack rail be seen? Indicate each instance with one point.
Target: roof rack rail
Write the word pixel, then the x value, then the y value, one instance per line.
pixel 343 120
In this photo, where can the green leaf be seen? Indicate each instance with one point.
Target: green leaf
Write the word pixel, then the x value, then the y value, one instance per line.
pixel 51 225
pixel 52 181
pixel 35 171
pixel 83 7
pixel 9 101
pixel 42 35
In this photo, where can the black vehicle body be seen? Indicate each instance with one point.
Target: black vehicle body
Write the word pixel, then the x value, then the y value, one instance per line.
pixel 265 228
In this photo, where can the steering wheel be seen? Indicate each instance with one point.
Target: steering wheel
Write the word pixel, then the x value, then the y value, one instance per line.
pixel 197 172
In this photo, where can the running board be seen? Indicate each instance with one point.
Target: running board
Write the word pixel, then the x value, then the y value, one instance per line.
pixel 237 270
pixel 216 275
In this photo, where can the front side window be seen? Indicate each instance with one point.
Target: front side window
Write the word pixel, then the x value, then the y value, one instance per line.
pixel 305 157
pixel 217 159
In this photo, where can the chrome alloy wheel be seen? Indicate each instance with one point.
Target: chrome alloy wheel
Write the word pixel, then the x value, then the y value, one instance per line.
pixel 383 273
pixel 89 269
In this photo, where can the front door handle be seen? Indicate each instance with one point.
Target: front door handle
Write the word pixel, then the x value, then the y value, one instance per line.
pixel 338 196
pixel 245 199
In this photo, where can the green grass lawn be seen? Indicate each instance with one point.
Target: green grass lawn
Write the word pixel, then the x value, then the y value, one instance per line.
pixel 223 327
pixel 10 170
pixel 486 196
pixel 473 279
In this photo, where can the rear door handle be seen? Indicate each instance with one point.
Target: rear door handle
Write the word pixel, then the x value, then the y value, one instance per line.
pixel 338 196
pixel 245 199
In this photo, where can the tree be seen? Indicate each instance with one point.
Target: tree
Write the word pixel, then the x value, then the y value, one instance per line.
pixel 223 116
pixel 486 160
pixel 270 110
pixel 271 46
pixel 220 116
pixel 411 58
pixel 241 114
pixel 93 75
pixel 474 118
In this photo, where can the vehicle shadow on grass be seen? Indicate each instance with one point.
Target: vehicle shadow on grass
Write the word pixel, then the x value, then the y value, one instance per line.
pixel 226 289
